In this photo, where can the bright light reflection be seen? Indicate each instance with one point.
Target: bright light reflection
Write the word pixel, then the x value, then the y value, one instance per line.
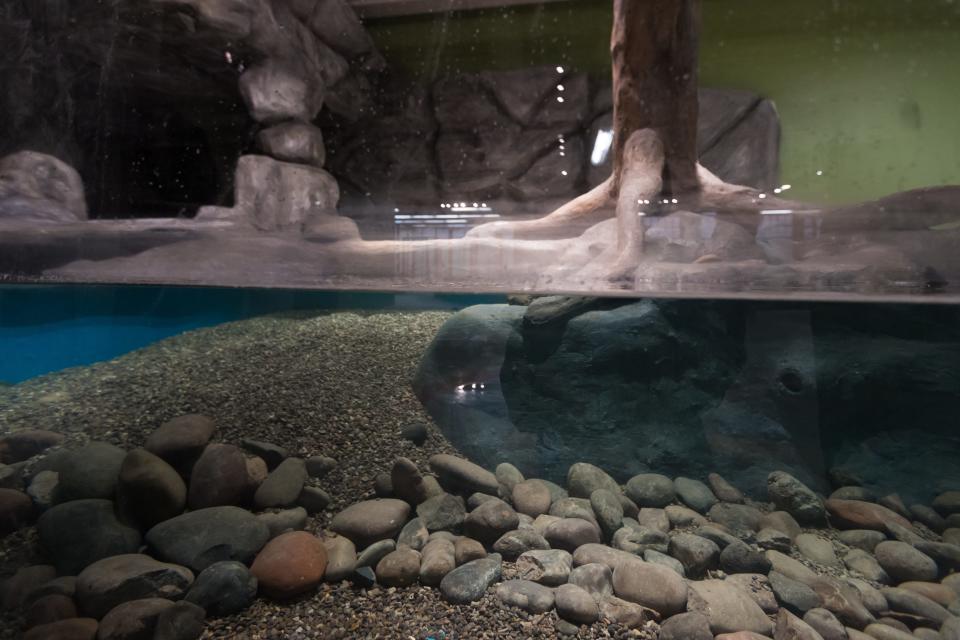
pixel 559 69
pixel 601 147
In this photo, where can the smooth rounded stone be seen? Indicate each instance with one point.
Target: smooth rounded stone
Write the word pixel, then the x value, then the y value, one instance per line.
pixel 182 621
pixel 573 508
pixel 223 588
pixel 570 533
pixel 272 454
pixel 825 623
pixel 49 608
pixel 656 557
pixel 854 493
pixel 477 499
pixel 470 581
pixel 437 559
pixel 953 582
pixel 62 586
pixel 467 550
pixel 513 543
pixel 548 567
pixel 150 489
pixel 871 598
pixel 313 499
pixel 696 554
pixel 415 432
pixel 717 536
pixel 111 581
pixel 399 568
pixel 372 520
pixel 408 483
pixel 531 497
pixel 283 486
pixel 842 600
pixel 681 517
pixel 865 539
pixel 257 472
pixel 890 621
pixel 594 578
pixel 16 510
pixel 69 629
pixel 575 604
pixel 773 540
pixel 199 538
pixel 789 567
pixel 413 535
pixel 926 634
pixel 780 521
pixel 757 586
pixel 508 476
pixel 650 585
pixel 741 635
pixel 694 494
pixel 601 553
pixel 725 491
pixel 790 627
pixel 638 540
pixel 651 490
pixel 692 625
pixel 565 628
pixel 444 512
pixel 947 556
pixel 939 593
pixel 844 477
pixel 81 532
pixel 951 629
pixel 318 467
pixel 630 509
pixel 457 475
pixel 902 562
pixel 856 514
pixel 817 549
pixel 490 520
pixel 902 533
pixel 624 613
pixel 917 604
pixel 43 488
pixel 370 556
pixel 727 608
pixel 542 522
pixel 929 517
pixel 290 564
pixel 23 445
pixel 341 558
pixel 864 564
pixel 895 503
pixel 556 491
pixel 947 503
pixel 219 478
pixel 792 594
pixel 654 518
pixel 740 557
pixel 607 509
pixel 283 520
pixel 383 485
pixel 10 477
pixel 180 441
pixel 90 472
pixel 16 588
pixel 790 495
pixel 584 478
pixel 526 595
pixel 738 518
pixel 882 631
pixel 133 620
pixel 950 535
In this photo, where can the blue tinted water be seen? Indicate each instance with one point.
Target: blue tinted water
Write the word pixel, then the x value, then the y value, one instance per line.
pixel 48 328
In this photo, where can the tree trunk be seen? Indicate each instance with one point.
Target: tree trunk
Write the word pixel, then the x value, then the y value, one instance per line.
pixel 653 49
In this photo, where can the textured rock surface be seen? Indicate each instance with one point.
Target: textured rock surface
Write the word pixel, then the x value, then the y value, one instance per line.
pixel 81 532
pixel 117 579
pixel 199 538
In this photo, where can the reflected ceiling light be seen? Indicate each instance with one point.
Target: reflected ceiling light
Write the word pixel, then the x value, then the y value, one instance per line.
pixel 601 147
pixel 819 172
pixel 564 172
pixel 775 212
pixel 559 69
pixel 559 98
pixel 762 196
pixel 559 87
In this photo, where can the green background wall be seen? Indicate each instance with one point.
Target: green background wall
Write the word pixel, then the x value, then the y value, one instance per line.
pixel 868 91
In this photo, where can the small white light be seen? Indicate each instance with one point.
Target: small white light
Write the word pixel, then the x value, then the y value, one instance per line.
pixel 562 154
pixel 559 69
pixel 459 387
pixel 564 172
pixel 784 187
pixel 483 204
pixel 776 190
pixel 475 205
pixel 395 210
pixel 762 196
pixel 559 98
pixel 560 87
pixel 819 172
pixel 474 385
pixel 674 201
pixel 481 385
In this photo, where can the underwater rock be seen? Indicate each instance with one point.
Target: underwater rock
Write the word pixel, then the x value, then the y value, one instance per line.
pixel 16 510
pixel 78 533
pixel 790 495
pixel 727 608
pixel 183 621
pixel 199 538
pixel 149 489
pixel 531 497
pixel 372 520
pixel 584 478
pixel 468 550
pixel 16 588
pixel 571 533
pixel 864 564
pixel 223 588
pixel 71 629
pixel 284 520
pixel 219 478
pixel 313 499
pixel 49 608
pixel 290 564
pixel 526 595
pixel 399 568
pixel 694 494
pixel 133 619
pixel 293 142
pixel 22 445
pixel 409 484
pixel 415 432
pixel 790 627
pixel 903 562
pixel 112 581
pixel 490 520
pixel 181 441
pixel 741 558
pixel 692 625
pixel 283 486
pixel 90 472
pixel 442 513
pixel 650 585
pixel 825 623
pixel 595 578
pixel 817 549
pixel 274 91
pixel 696 554
pixel 793 594
pixel 470 581
pixel 514 543
pixel 854 514
pixel 40 187
pixel 459 475
pixel 651 490
pixel 319 466
pixel 372 555
pixel 270 453
pixel 575 604
pixel 725 491
pixel 437 559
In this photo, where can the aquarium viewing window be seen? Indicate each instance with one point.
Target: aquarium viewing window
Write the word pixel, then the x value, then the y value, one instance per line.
pixel 722 150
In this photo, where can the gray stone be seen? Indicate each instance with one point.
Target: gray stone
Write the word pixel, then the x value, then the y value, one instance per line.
pixel 738 518
pixel 683 517
pixel 584 478
pixel 442 513
pixel 780 521
pixel 608 510
pixel 902 562
pixel 696 554
pixel 717 536
pixel 594 578
pixel 490 520
pixel 90 472
pixel 293 142
pixel 133 619
pixel 437 559
pixel 549 567
pixel 603 554
pixel 182 621
pixel 627 614
pixel 773 539
pixel 794 497
pixel 883 631
pixel 686 626
pixel 757 586
pixel 514 543
pixel 180 441
pixel 947 503
pixel 911 602
pixel 283 486
pixel 43 489
pixel 853 493
pixel 341 558
pixel 532 497
pixel 219 478
pixel 570 533
pixel 865 539
pixel 462 476
pixel 78 533
pixel 872 599
pixel 370 556
pixel 947 556
pixel 650 585
pixel 10 477
pixel 319 466
pixel 52 188
pixel 200 538
pixel 650 490
pixel 574 508
pixel 508 476
pixel 576 605
pixel 794 595
pixel 223 588
pixel 866 565
pixel 654 519
pixel 526 595
pixel 313 499
pixel 790 627
pixel 656 557
pixel 694 494
pixel 638 540
pixel 284 520
pixel 274 92
pixel 741 558
pixel 477 499
pixel 825 623
pixel 413 535
pixel 372 520
pixel 725 491
pixel 468 550
pixel 112 581
pixel 399 568
pixel 409 484
pixel 470 581
pixel 928 517
pixel 817 549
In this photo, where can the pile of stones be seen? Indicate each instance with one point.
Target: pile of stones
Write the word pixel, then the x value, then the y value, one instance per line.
pixel 669 558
